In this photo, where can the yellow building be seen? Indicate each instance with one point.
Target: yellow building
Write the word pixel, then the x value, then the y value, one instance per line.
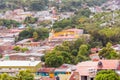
pixel 12 67
pixel 68 35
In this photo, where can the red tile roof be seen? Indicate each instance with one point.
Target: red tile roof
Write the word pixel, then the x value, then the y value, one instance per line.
pixel 83 67
pixel 109 64
pixel 95 49
pixel 46 70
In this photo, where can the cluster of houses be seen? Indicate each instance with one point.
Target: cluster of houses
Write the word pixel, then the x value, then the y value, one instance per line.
pixel 86 70
pixel 20 15
pixel 12 61
pixel 17 15
pixel 110 5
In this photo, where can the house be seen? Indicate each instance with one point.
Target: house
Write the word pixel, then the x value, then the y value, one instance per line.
pixel 28 43
pixel 10 33
pixel 64 72
pixel 6 44
pixel 74 76
pixel 94 56
pixel 96 9
pixel 24 56
pixel 64 76
pixel 45 71
pixel 13 67
pixel 64 69
pixel 88 69
pixel 95 50
pixel 17 15
pixel 116 47
pixel 47 78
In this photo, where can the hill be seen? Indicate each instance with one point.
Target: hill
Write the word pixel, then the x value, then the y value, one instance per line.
pixel 38 5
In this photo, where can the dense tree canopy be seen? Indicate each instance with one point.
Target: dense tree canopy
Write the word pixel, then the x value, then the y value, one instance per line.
pixel 74 20
pixel 20 49
pixel 9 23
pixel 68 52
pixel 72 5
pixel 39 5
pixel 100 26
pixel 107 75
pixel 25 75
pixel 37 34
pixel 101 29
pixel 108 52
pixel 53 60
pixel 22 75
pixel 30 20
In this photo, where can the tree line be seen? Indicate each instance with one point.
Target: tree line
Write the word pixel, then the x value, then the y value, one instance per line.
pixel 22 75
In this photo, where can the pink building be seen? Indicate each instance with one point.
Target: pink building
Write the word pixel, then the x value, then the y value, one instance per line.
pixel 88 69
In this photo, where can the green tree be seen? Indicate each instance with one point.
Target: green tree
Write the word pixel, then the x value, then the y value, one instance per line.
pixel 83 50
pixel 62 48
pixel 39 5
pixel 17 48
pixel 22 75
pixel 74 52
pixel 9 23
pixel 107 75
pixel 78 42
pixel 30 20
pixel 66 57
pixel 53 60
pixel 41 33
pixel 83 53
pixel 62 24
pixel 109 35
pixel 5 76
pixel 108 52
pixel 70 52
pixel 24 49
pixel 25 75
pixel 84 12
pixel 35 36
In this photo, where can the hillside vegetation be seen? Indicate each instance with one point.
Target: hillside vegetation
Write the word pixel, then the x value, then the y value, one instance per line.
pixel 37 5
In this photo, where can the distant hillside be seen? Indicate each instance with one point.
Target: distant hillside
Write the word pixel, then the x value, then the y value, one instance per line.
pixel 38 5
pixel 26 4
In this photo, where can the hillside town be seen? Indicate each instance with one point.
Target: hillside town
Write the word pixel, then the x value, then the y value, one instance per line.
pixel 60 42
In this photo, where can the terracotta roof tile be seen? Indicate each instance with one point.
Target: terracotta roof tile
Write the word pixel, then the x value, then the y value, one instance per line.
pixel 83 67
pixel 46 70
